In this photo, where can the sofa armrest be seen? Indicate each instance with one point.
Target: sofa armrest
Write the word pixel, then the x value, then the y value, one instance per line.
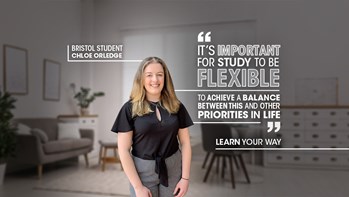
pixel 87 133
pixel 29 149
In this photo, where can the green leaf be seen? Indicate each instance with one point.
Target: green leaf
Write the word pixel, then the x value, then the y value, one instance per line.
pixel 84 98
pixel 7 132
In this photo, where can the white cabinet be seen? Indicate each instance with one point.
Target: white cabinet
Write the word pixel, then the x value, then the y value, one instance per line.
pixel 85 122
pixel 312 127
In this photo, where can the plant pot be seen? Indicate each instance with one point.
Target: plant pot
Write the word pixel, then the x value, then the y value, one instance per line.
pixel 84 111
pixel 2 172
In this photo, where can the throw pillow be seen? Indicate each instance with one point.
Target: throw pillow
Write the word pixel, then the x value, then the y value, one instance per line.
pixel 41 134
pixel 23 129
pixel 68 130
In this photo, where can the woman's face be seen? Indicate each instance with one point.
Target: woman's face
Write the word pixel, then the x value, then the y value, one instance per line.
pixel 153 79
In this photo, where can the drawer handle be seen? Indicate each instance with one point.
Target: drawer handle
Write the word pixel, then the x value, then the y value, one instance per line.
pixel 296 135
pixel 279 157
pixel 315 113
pixel 315 124
pixel 333 124
pixel 333 146
pixel 296 113
pixel 296 124
pixel 296 158
pixel 315 159
pixel 315 146
pixel 333 159
pixel 333 113
pixel 333 136
pixel 296 146
pixel 315 136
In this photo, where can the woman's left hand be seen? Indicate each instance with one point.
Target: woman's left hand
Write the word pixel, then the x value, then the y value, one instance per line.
pixel 181 188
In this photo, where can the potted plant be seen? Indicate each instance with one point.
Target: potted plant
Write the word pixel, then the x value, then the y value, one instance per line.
pixel 84 99
pixel 7 132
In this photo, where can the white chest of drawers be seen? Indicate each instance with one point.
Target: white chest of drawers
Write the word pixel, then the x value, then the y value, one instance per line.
pixel 312 127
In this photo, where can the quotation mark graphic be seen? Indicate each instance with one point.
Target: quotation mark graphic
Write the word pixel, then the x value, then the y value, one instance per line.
pixel 272 125
pixel 206 38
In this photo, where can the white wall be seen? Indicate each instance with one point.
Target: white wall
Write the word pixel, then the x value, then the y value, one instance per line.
pixel 44 28
pixel 313 35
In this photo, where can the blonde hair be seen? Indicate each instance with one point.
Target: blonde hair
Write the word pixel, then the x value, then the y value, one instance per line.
pixel 168 98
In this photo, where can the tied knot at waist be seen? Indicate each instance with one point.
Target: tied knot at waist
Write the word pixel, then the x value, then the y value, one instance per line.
pixel 161 170
pixel 160 165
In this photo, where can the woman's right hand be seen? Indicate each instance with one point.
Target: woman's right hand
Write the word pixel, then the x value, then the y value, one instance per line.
pixel 143 192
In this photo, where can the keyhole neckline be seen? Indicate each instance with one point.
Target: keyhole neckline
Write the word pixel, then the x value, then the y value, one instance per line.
pixel 156 104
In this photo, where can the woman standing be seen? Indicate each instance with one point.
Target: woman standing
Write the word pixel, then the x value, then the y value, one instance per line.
pixel 151 123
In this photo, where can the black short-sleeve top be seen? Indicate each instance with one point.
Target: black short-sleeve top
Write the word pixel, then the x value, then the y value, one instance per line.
pixel 153 139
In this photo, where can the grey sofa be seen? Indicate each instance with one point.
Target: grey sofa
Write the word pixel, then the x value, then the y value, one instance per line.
pixel 31 150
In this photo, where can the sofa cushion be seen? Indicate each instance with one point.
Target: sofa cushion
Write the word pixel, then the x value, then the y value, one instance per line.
pixel 66 145
pixel 23 129
pixel 68 131
pixel 40 134
pixel 48 125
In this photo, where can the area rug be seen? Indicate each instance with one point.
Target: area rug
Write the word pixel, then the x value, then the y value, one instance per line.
pixel 111 182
